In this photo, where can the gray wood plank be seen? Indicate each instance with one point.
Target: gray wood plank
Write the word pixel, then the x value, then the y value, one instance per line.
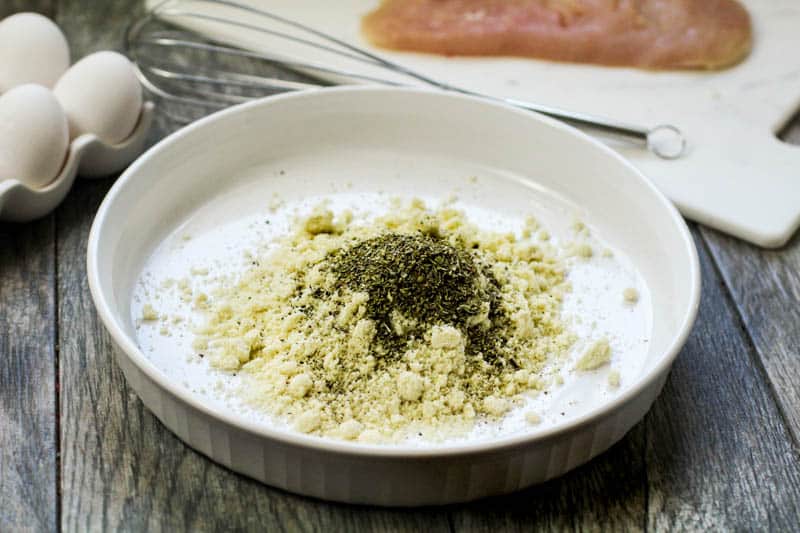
pixel 719 456
pixel 27 362
pixel 765 284
pixel 766 287
pixel 45 7
pixel 27 377
pixel 607 494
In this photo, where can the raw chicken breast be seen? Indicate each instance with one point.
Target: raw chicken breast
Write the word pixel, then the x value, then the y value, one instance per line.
pixel 654 34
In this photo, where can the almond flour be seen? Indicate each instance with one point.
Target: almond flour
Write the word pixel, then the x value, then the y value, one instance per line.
pixel 416 322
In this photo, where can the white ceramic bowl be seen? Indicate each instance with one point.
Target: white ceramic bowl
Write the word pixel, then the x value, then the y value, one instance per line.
pixel 88 156
pixel 385 132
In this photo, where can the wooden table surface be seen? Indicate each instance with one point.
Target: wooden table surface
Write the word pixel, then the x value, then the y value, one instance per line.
pixel 78 450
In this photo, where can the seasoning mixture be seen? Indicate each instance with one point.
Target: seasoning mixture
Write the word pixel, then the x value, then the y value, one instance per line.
pixel 414 323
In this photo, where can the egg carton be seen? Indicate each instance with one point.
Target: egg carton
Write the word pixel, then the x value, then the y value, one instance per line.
pixel 88 157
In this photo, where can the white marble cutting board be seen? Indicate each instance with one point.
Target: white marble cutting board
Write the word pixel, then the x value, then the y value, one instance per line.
pixel 737 175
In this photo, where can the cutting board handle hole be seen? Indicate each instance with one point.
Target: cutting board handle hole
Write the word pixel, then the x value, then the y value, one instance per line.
pixel 790 131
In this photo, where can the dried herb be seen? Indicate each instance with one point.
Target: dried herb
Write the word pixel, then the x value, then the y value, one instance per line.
pixel 427 280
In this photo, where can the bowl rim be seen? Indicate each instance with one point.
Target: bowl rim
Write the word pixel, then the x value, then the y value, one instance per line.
pixel 129 348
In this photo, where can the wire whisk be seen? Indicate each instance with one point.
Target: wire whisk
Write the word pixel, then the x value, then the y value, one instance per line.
pixel 196 74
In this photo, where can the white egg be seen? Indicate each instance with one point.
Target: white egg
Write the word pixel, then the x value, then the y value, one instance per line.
pixel 34 137
pixel 32 50
pixel 100 94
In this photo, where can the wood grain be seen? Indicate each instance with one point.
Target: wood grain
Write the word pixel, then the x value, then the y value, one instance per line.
pixel 719 456
pixel 27 377
pixel 608 494
pixel 718 451
pixel 28 465
pixel 45 7
pixel 765 284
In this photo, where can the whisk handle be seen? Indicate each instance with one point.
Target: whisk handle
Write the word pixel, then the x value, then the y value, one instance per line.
pixel 664 140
